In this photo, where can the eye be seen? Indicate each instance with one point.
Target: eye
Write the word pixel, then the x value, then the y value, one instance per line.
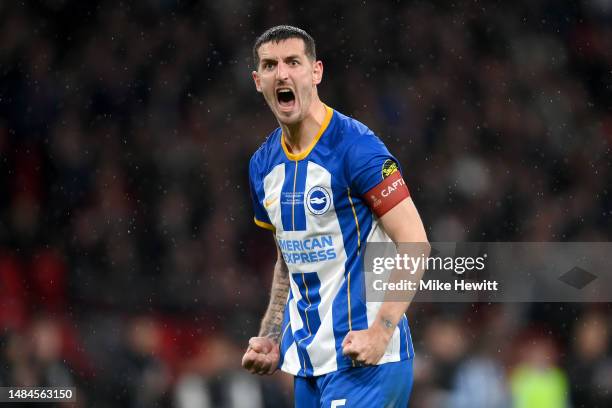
pixel 294 63
pixel 268 65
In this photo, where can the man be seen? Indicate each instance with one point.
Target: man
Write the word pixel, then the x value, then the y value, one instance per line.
pixel 326 186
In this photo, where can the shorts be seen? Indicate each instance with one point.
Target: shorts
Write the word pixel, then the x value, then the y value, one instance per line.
pixel 381 386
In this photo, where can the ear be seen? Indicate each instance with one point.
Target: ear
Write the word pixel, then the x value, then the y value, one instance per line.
pixel 317 72
pixel 257 80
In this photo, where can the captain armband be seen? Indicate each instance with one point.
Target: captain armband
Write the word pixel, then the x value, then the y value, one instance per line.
pixel 387 194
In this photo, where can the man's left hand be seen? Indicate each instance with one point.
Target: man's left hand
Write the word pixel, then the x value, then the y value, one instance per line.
pixel 366 346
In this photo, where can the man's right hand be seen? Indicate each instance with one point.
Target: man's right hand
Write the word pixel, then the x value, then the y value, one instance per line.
pixel 262 356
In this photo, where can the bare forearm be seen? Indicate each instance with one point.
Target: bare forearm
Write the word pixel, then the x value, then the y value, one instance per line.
pixel 273 318
pixel 405 228
pixel 392 310
pixel 388 317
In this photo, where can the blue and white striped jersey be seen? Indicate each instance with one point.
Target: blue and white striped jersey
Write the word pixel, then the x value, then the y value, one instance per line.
pixel 313 201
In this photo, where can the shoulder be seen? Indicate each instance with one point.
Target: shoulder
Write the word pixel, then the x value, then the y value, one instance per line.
pixel 266 154
pixel 354 135
pixel 359 142
pixel 350 127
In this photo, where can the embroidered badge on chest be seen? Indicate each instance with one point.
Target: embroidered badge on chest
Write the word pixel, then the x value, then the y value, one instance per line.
pixel 318 200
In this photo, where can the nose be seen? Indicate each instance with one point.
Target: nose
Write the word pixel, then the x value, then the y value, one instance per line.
pixel 282 72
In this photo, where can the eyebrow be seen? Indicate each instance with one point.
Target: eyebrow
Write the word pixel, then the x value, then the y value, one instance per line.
pixel 291 57
pixel 274 60
pixel 266 60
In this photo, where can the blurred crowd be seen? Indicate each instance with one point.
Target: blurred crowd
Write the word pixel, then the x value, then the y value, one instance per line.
pixel 129 264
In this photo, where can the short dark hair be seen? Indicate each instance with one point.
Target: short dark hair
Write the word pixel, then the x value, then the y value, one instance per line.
pixel 284 32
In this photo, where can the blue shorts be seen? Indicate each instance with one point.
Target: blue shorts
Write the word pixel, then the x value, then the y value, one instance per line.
pixel 387 385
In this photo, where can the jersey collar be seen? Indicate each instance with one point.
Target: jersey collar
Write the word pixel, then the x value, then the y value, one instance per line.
pixel 292 156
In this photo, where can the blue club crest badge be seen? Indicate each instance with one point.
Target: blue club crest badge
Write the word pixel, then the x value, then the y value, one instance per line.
pixel 318 200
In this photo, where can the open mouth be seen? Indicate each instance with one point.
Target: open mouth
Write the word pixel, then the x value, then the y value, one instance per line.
pixel 286 98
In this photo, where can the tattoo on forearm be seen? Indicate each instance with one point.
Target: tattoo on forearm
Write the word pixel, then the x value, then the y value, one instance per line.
pixel 273 319
pixel 387 323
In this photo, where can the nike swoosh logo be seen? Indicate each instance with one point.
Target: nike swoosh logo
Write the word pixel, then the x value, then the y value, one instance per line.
pixel 269 202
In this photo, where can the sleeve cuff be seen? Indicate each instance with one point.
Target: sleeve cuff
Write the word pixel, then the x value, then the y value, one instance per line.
pixel 264 225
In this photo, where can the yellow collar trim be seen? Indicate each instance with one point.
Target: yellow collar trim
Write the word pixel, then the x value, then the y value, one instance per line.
pixel 292 156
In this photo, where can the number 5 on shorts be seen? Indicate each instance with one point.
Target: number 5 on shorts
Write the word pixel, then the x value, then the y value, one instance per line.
pixel 338 403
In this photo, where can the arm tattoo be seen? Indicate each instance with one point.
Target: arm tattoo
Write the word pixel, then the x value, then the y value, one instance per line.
pixel 273 319
pixel 386 323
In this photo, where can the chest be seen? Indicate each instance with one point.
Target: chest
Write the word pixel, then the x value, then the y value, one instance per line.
pixel 304 196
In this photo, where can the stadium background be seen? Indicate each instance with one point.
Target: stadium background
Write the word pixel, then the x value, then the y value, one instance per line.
pixel 129 265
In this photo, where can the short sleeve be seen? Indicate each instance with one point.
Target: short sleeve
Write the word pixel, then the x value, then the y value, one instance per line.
pixel 256 190
pixel 375 174
pixel 369 163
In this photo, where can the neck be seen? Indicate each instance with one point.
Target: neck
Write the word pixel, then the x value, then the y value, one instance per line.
pixel 299 136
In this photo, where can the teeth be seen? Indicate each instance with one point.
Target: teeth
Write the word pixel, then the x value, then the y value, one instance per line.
pixel 284 90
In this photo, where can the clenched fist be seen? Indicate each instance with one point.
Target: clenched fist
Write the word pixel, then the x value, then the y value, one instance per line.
pixel 262 356
pixel 365 346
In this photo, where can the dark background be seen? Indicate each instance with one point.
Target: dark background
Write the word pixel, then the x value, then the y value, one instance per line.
pixel 129 264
